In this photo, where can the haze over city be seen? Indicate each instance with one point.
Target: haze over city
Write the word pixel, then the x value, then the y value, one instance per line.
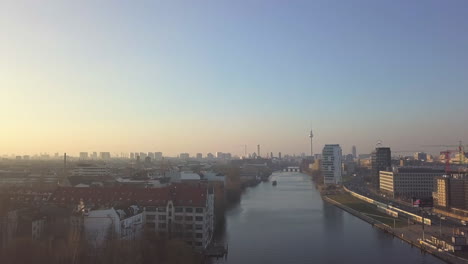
pixel 186 76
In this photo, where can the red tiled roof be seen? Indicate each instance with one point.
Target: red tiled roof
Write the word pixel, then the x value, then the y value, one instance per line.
pixel 180 194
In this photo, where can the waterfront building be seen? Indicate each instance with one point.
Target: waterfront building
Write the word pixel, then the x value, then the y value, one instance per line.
pixel 184 211
pixel 381 160
pixel 408 182
pixel 331 164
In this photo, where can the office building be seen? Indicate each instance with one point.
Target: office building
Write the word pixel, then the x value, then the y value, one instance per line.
pixel 381 160
pixel 83 155
pixel 158 155
pixel 451 193
pixel 105 155
pixel 331 164
pixel 408 182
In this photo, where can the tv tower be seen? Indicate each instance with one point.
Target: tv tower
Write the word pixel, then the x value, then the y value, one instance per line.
pixel 311 135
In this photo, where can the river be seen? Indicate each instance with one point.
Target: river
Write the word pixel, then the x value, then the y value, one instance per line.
pixel 289 223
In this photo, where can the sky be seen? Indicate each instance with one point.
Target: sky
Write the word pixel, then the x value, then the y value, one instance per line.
pixel 206 76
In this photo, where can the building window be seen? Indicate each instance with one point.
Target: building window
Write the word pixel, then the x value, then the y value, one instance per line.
pixel 199 235
pixel 189 227
pixel 188 218
pixel 198 244
pixel 189 210
pixel 178 209
pixel 178 218
pixel 199 218
pixel 162 209
pixel 150 209
pixel 150 217
pixel 198 227
pixel 199 210
pixel 162 217
pixel 162 225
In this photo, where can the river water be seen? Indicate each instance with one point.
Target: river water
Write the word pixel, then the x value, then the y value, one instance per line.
pixel 289 223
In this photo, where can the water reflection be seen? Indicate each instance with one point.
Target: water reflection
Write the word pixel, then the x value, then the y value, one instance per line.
pixel 290 223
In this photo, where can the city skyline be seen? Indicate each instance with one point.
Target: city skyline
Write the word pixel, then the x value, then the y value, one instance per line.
pixel 185 77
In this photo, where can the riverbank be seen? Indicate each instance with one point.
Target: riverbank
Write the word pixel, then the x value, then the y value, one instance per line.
pixel 409 235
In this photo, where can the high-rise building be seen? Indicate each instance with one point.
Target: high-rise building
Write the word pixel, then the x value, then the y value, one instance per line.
pixel 210 156
pixel 94 155
pixel 143 155
pixel 184 156
pixel 381 160
pixel 354 152
pixel 105 155
pixel 83 155
pixel 151 155
pixel 132 155
pixel 158 155
pixel 279 155
pixel 199 156
pixel 331 164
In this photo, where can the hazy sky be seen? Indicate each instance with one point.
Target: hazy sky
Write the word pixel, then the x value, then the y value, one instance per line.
pixel 207 76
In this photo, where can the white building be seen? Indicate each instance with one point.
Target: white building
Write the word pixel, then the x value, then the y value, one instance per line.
pixel 90 171
pixel 331 164
pixel 111 224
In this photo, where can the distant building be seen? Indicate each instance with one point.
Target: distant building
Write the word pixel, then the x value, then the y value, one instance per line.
pixel 279 155
pixel 105 155
pixel 151 155
pixel 83 155
pixel 158 155
pixel 184 156
pixel 381 160
pixel 354 152
pixel 421 156
pixel 331 164
pixel 94 156
pixel 132 155
pixel 143 155
pixel 210 156
pixel 199 156
pixel 89 170
pixel 408 182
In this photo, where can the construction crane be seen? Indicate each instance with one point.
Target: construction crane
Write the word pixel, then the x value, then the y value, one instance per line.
pixel 460 150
